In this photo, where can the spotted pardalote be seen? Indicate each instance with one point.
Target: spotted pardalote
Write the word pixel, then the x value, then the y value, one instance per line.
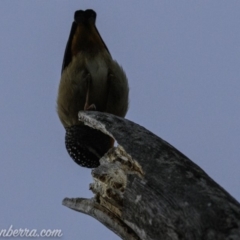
pixel 90 80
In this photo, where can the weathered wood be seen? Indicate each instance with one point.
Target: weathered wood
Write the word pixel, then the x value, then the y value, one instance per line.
pixel 147 189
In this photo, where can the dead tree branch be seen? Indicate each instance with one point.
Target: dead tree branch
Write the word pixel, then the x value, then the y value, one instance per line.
pixel 147 189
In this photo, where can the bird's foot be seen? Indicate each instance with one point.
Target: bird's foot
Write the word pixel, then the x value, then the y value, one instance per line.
pixel 91 107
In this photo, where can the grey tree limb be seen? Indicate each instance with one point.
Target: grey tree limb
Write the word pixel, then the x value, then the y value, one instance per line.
pixel 146 189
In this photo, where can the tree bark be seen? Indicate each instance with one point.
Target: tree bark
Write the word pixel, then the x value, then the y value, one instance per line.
pixel 146 189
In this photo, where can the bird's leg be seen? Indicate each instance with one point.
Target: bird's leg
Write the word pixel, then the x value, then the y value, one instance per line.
pixel 87 106
pixel 92 107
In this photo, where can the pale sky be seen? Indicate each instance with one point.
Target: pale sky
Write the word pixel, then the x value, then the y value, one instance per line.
pixel 182 60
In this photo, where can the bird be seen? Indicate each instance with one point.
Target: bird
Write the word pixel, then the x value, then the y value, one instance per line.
pixel 90 81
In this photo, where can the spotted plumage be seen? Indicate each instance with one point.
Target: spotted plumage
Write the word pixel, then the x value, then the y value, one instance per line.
pixel 86 145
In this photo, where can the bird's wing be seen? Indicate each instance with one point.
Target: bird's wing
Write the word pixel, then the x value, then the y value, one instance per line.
pixel 68 55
